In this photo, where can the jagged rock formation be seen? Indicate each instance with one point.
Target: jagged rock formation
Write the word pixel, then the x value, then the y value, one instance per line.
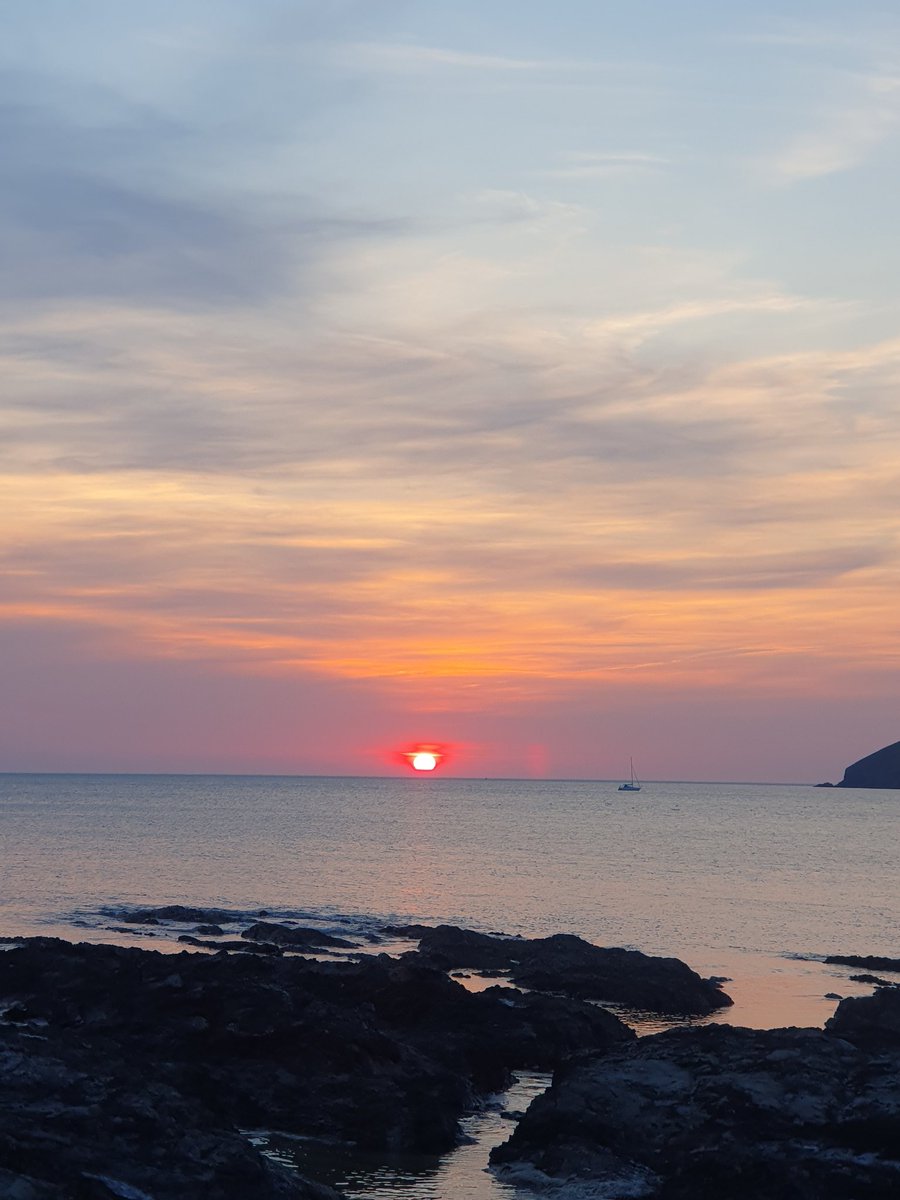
pixel 714 1112
pixel 570 966
pixel 878 770
pixel 128 1073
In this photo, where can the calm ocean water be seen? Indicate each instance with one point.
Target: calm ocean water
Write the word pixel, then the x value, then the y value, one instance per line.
pixel 737 879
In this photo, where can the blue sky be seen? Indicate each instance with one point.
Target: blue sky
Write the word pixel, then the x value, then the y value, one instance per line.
pixel 501 373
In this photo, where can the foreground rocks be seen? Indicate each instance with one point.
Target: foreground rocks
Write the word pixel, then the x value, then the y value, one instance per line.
pixel 138 1068
pixel 78 1124
pixel 128 1073
pixel 562 964
pixel 567 964
pixel 872 1021
pixel 715 1112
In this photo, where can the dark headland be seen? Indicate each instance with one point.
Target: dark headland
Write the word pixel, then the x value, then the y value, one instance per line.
pixel 129 1074
pixel 881 769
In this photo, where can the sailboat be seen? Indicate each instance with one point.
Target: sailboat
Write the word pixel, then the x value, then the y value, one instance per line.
pixel 634 785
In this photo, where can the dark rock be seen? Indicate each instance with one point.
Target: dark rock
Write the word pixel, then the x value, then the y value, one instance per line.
pixel 537 1032
pixel 870 962
pixel 468 948
pixel 256 1042
pixel 295 937
pixel 484 1034
pixel 16 1013
pixel 178 912
pixel 146 1064
pixel 407 931
pixel 77 1125
pixel 209 930
pixel 569 965
pixel 14 1186
pixel 489 1032
pixel 715 1112
pixel 102 1187
pixel 875 980
pixel 869 1019
pixel 878 770
pixel 231 944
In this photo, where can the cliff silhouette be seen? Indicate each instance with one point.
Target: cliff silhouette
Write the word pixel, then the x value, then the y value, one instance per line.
pixel 878 770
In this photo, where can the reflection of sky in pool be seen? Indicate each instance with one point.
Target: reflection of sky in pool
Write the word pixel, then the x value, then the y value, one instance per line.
pixel 459 1175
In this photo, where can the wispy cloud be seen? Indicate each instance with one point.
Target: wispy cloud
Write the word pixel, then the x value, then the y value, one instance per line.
pixel 84 215
pixel 872 39
pixel 642 324
pixel 845 133
pixel 304 381
pixel 411 56
pixel 600 165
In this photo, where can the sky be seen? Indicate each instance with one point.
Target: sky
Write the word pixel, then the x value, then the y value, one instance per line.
pixel 516 378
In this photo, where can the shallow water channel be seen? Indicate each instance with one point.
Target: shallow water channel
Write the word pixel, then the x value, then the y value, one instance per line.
pixel 460 1174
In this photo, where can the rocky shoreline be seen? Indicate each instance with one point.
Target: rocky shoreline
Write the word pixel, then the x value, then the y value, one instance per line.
pixel 715 1112
pixel 129 1073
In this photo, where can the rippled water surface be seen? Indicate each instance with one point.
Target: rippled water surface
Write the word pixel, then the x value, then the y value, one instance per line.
pixel 738 880
pixel 688 869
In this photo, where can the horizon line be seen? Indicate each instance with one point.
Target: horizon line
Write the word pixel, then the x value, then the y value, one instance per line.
pixel 409 775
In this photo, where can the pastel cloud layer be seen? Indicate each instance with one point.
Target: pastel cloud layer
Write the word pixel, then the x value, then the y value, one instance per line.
pixel 388 371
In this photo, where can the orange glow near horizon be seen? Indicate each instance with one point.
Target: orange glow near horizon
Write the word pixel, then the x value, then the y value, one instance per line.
pixel 162 567
pixel 589 592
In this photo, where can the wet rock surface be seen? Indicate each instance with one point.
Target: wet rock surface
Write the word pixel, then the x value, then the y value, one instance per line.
pixel 232 944
pixel 139 1068
pixel 296 938
pixel 869 962
pixel 874 980
pixel 176 912
pixel 869 1020
pixel 568 964
pixel 78 1124
pixel 562 964
pixel 715 1112
pixel 128 1073
pixel 207 924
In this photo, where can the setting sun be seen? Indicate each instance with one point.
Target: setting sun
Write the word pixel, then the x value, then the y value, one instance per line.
pixel 422 757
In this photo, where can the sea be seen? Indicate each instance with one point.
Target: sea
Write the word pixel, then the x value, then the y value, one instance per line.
pixel 752 883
